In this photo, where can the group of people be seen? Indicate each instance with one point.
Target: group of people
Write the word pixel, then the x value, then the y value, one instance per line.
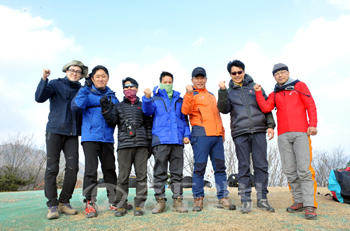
pixel 159 125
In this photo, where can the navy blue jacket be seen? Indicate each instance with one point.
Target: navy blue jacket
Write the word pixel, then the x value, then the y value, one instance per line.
pixel 170 125
pixel 62 120
pixel 94 127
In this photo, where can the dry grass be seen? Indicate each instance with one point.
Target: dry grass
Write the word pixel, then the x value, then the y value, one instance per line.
pixel 331 215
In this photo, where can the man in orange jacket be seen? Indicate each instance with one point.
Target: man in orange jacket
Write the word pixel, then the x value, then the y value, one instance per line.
pixel 207 138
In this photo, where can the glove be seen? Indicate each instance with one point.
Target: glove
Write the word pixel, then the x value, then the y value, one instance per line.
pixel 88 82
pixel 106 104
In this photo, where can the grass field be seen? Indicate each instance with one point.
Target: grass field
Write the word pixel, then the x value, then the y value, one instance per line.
pixel 27 211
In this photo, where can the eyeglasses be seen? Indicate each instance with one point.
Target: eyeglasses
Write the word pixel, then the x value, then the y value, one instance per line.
pixel 129 85
pixel 280 73
pixel 74 71
pixel 235 73
pixel 102 76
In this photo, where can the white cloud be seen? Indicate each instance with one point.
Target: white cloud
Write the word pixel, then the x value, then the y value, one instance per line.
pixel 27 37
pixel 341 4
pixel 199 42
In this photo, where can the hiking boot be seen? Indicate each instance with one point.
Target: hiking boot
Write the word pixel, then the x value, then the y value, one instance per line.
pixel 121 212
pixel 224 203
pixel 139 211
pixel 66 208
pixel 310 213
pixel 295 207
pixel 113 207
pixel 160 206
pixel 263 204
pixel 198 204
pixel 90 209
pixel 178 206
pixel 53 213
pixel 246 207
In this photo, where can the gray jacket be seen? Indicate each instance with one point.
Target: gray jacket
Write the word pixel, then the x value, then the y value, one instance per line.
pixel 246 116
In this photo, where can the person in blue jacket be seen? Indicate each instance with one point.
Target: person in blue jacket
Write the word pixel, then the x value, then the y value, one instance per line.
pixel 96 138
pixel 170 131
pixel 62 131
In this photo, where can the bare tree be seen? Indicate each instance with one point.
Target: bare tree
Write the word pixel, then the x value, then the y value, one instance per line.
pixel 188 160
pixel 276 176
pixel 230 157
pixel 150 166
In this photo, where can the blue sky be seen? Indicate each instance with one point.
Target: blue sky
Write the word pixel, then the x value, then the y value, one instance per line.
pixel 142 38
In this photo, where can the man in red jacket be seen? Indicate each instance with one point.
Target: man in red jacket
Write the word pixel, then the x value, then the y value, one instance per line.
pixel 296 121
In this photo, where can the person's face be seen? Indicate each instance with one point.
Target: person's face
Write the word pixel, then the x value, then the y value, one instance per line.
pixel 74 73
pixel 199 81
pixel 237 74
pixel 129 85
pixel 167 80
pixel 281 77
pixel 100 79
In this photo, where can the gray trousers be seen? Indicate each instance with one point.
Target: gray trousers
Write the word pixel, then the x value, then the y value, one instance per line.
pixel 126 157
pixel 296 156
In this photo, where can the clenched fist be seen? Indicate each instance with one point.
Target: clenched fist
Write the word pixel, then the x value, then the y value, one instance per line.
pixel 148 93
pixel 257 87
pixel 46 73
pixel 189 89
pixel 222 85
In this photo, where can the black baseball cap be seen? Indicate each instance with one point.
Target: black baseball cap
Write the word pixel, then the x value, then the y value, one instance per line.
pixel 199 71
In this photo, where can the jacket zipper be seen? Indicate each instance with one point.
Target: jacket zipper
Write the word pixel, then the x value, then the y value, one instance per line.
pixel 246 104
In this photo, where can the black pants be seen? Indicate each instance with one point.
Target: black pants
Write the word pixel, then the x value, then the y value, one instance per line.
pixel 126 157
pixel 163 154
pixel 56 143
pixel 105 152
pixel 256 145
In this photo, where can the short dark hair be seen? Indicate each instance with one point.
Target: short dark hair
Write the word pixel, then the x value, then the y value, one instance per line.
pixel 235 63
pixel 98 67
pixel 131 80
pixel 165 73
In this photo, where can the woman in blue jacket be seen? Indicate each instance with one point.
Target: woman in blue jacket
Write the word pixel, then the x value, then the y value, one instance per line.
pixel 96 138
pixel 62 131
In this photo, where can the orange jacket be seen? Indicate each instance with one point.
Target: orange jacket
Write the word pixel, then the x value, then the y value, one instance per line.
pixel 204 115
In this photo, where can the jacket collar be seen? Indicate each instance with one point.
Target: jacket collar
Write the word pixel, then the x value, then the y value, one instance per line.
pixel 246 81
pixel 162 93
pixel 289 85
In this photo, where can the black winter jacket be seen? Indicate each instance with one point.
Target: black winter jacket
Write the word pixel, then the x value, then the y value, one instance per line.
pixel 123 111
pixel 246 116
pixel 61 91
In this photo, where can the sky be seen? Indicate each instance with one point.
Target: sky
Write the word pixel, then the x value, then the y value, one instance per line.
pixel 141 39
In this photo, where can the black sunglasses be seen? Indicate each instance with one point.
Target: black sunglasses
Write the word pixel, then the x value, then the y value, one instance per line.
pixel 129 85
pixel 235 73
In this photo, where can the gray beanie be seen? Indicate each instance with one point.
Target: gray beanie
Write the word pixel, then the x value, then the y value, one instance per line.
pixel 279 67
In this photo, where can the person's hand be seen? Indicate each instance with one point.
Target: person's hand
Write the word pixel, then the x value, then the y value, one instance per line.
pixel 270 133
pixel 148 93
pixel 222 85
pixel 257 87
pixel 46 73
pixel 186 140
pixel 189 89
pixel 88 82
pixel 105 103
pixel 312 131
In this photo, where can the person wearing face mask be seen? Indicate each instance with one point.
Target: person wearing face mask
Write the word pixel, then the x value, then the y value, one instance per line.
pixel 62 131
pixel 96 138
pixel 170 132
pixel 134 138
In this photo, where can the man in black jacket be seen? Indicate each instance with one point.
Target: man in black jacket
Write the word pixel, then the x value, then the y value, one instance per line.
pixel 248 130
pixel 134 138
pixel 62 131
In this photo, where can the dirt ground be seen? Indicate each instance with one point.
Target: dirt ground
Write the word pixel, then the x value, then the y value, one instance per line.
pixel 27 211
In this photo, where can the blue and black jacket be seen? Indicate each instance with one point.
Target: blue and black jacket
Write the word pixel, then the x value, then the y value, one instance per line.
pixel 170 125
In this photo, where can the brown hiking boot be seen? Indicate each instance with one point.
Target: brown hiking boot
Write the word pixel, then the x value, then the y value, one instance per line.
pixel 198 204
pixel 52 213
pixel 160 206
pixel 296 207
pixel 310 213
pixel 178 206
pixel 66 208
pixel 224 203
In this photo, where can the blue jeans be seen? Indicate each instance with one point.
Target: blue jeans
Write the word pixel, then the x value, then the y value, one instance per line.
pixel 204 146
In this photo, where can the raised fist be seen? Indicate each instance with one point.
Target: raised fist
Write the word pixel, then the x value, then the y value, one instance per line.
pixel 257 87
pixel 189 89
pixel 222 85
pixel 148 93
pixel 46 73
